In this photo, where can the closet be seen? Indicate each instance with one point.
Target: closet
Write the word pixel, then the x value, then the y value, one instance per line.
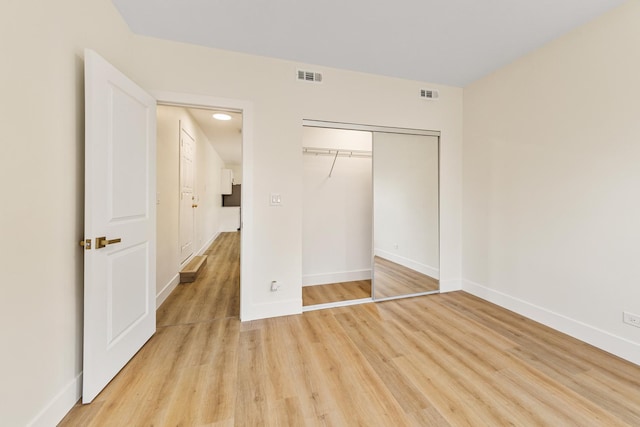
pixel 370 213
pixel 337 215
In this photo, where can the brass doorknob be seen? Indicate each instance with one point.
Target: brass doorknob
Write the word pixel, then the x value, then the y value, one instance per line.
pixel 102 242
pixel 194 206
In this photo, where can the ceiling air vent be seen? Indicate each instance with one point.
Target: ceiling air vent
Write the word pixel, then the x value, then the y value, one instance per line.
pixel 429 94
pixel 309 76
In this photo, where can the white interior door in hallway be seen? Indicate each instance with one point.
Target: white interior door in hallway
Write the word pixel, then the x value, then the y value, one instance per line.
pixel 120 222
pixel 188 201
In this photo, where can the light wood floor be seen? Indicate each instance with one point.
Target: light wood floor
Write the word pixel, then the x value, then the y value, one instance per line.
pixel 439 360
pixel 335 292
pixel 393 279
pixel 216 292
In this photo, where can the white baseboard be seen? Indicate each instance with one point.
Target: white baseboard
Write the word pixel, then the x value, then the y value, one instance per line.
pixel 60 405
pixel 606 341
pixel 409 263
pixel 208 243
pixel 166 291
pixel 337 277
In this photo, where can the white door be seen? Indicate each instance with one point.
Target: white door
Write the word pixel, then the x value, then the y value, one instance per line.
pixel 187 195
pixel 120 221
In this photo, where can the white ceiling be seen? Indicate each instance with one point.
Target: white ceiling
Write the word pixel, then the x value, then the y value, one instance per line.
pixel 451 42
pixel 224 136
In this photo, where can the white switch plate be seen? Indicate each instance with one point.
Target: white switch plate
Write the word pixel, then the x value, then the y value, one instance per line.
pixel 275 199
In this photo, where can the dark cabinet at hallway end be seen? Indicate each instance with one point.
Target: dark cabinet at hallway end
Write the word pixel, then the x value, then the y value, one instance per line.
pixel 234 198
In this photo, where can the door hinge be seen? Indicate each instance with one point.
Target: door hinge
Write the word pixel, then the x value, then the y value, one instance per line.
pixel 86 244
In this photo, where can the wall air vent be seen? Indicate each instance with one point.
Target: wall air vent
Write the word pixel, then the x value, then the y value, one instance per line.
pixel 429 94
pixel 309 76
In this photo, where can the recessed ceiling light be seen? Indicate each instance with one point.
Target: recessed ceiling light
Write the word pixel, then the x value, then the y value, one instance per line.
pixel 221 116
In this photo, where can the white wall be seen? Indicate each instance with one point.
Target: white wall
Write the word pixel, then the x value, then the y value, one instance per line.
pixel 405 192
pixel 336 210
pixel 208 191
pixel 208 217
pixel 280 103
pixel 551 179
pixel 42 174
pixel 41 219
pixel 230 219
pixel 237 171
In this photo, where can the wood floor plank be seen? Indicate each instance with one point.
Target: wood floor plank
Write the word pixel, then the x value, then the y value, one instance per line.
pixel 251 399
pixel 427 417
pixel 476 364
pixel 380 349
pixel 603 390
pixel 524 332
pixel 551 353
pixel 288 412
pixel 336 292
pixel 214 294
pixel 441 360
pixel 370 403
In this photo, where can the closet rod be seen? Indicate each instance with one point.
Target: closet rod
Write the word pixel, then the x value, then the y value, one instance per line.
pixel 333 152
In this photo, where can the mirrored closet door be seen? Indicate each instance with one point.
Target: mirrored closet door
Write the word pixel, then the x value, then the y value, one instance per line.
pixel 406 243
pixel 370 213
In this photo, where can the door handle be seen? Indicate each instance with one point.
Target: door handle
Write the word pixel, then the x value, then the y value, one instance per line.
pixel 102 242
pixel 194 206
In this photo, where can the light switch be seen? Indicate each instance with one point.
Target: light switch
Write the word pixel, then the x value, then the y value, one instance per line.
pixel 276 199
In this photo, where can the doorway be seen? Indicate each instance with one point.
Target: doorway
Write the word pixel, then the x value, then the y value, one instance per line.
pixel 212 205
pixel 195 151
pixel 121 131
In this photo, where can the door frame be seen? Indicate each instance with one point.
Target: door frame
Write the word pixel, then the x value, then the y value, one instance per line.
pixel 186 100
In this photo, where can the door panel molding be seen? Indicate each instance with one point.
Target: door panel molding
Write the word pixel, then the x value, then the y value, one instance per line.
pixel 120 179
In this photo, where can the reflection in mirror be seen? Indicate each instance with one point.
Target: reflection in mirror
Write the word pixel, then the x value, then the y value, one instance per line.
pixel 405 211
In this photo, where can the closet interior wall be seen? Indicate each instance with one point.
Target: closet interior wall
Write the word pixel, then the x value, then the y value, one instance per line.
pixel 337 209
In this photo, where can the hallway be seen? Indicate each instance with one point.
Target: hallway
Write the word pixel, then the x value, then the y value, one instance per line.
pixel 214 295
